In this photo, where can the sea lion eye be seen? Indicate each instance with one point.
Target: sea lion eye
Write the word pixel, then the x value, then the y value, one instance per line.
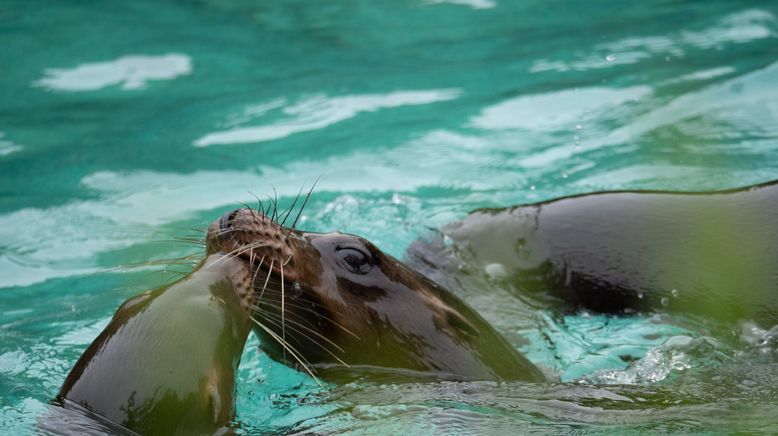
pixel 354 259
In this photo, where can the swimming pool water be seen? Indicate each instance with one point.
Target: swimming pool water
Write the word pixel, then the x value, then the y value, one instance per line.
pixel 124 126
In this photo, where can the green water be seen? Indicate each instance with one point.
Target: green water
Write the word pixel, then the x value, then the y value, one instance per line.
pixel 125 125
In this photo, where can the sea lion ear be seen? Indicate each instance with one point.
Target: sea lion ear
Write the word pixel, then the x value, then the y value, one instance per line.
pixel 459 322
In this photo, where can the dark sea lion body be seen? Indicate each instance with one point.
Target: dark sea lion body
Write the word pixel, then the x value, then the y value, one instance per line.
pixel 166 362
pixel 712 254
pixel 338 301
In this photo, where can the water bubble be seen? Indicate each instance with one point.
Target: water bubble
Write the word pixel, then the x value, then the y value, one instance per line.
pixel 578 127
pixel 610 58
pixel 532 188
pixel 298 289
pixel 667 58
pixel 665 301
pixel 640 295
pixel 496 270
pixel 674 293
pixel 564 175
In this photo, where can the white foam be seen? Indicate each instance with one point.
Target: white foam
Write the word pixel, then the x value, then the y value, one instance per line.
pixel 7 147
pixel 742 27
pixel 555 110
pixel 475 4
pixel 132 72
pixel 320 111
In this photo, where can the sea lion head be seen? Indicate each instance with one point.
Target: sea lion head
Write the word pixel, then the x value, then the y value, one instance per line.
pixel 326 300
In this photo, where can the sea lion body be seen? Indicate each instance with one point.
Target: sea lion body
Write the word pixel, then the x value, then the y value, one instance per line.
pixel 711 254
pixel 166 362
pixel 336 301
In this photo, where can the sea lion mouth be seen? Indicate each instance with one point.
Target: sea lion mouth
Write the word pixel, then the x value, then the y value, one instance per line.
pixel 258 239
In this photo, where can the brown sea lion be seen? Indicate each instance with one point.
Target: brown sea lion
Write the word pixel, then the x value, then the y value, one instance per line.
pixel 710 254
pixel 166 362
pixel 335 300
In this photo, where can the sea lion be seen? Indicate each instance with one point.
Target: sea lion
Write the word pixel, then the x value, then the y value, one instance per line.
pixel 166 362
pixel 709 254
pixel 335 300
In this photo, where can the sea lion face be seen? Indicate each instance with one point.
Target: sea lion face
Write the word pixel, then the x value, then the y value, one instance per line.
pixel 335 299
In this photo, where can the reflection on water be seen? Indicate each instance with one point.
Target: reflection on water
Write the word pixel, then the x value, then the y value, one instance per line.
pixel 411 114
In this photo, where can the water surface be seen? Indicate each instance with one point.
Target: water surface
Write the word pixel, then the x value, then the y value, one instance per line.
pixel 124 126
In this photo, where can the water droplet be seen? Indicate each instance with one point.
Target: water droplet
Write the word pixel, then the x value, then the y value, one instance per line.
pixel 610 58
pixel 298 289
pixel 532 188
pixel 665 301
pixel 674 293
pixel 640 295
pixel 578 127
pixel 564 175
pixel 667 58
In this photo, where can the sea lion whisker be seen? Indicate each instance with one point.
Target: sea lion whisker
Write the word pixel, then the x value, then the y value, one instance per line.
pixel 300 212
pixel 283 325
pixel 250 209
pixel 192 241
pixel 286 261
pixel 275 203
pixel 260 206
pixel 259 267
pixel 307 309
pixel 266 279
pixel 277 292
pixel 251 260
pixel 268 317
pixel 222 232
pixel 242 250
pixel 285 347
pixel 227 256
pixel 291 208
pixel 271 316
pixel 184 260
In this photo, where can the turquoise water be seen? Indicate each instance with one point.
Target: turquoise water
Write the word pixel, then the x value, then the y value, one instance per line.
pixel 125 126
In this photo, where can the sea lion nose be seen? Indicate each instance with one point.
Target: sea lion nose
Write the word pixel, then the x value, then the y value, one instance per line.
pixel 227 219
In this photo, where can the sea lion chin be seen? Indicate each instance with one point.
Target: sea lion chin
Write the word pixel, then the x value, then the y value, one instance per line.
pixel 334 300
